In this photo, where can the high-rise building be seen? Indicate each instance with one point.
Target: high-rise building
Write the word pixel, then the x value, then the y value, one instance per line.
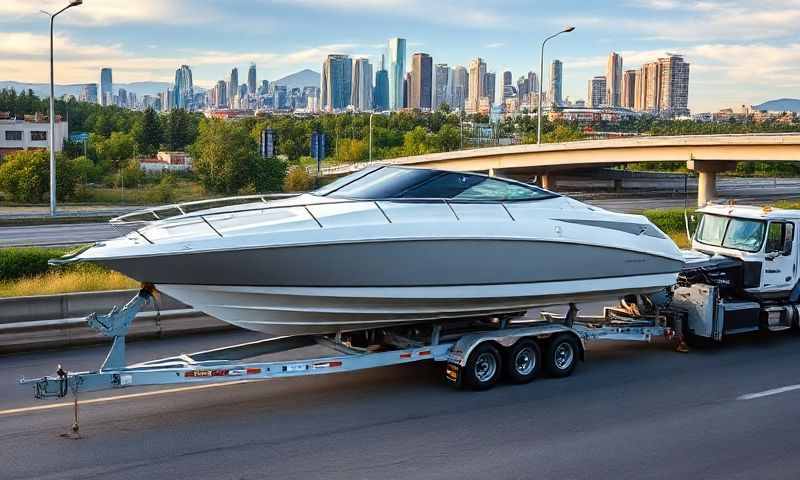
pixel 233 86
pixel 251 79
pixel 638 95
pixel 380 96
pixel 421 81
pixel 264 88
pixel 614 80
pixel 407 90
pixel 88 93
pixel 651 87
pixel 183 89
pixel 362 85
pixel 105 86
pixel 674 85
pixel 508 81
pixel 533 82
pixel 556 98
pixel 489 86
pixel 221 94
pixel 337 76
pixel 460 87
pixel 597 94
pixel 628 99
pixel 122 98
pixel 477 77
pixel 397 72
pixel 442 84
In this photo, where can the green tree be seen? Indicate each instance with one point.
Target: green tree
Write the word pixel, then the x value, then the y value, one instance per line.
pixel 448 138
pixel 147 133
pixel 224 156
pixel 180 129
pixel 267 174
pixel 351 151
pixel 416 142
pixel 116 149
pixel 25 176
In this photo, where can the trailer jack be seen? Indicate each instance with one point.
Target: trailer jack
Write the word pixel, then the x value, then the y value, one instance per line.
pixel 116 324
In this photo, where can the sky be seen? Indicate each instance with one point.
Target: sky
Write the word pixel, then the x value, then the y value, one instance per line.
pixel 740 51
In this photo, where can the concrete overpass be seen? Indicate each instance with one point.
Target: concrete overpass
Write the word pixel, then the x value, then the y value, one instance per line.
pixel 707 155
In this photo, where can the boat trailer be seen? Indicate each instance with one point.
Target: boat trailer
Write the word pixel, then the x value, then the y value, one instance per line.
pixel 241 362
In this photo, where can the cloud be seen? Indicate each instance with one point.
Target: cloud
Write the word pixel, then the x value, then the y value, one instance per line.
pixel 103 13
pixel 495 45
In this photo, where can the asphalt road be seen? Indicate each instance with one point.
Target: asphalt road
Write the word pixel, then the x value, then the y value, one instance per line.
pixel 633 411
pixel 744 190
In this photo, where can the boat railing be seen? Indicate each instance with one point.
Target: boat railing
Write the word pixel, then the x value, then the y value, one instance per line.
pixel 208 217
pixel 163 212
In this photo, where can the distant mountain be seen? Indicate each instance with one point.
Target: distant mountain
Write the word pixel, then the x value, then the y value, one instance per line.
pixel 43 89
pixel 303 78
pixel 780 105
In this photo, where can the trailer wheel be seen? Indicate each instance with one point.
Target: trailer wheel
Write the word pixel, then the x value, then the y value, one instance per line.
pixel 483 368
pixel 562 355
pixel 523 361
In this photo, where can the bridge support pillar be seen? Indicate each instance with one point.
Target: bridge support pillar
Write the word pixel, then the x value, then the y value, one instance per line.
pixel 617 184
pixel 707 171
pixel 548 181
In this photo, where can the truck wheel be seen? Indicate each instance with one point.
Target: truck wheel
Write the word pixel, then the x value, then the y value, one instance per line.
pixel 562 355
pixel 522 361
pixel 483 368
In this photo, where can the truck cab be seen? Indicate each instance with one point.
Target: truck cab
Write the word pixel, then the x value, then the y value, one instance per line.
pixel 763 239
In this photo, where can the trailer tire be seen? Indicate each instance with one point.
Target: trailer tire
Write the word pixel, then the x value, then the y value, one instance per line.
pixel 562 355
pixel 483 368
pixel 523 361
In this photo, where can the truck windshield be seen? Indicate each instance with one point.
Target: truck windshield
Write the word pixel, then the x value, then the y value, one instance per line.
pixel 727 232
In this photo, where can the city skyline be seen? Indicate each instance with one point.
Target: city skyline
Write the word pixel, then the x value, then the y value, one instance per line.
pixel 734 62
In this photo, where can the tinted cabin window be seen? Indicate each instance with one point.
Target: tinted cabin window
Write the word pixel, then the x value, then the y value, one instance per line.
pixel 498 190
pixel 779 237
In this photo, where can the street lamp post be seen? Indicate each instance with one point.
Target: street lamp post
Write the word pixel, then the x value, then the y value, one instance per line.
pixel 541 81
pixel 73 3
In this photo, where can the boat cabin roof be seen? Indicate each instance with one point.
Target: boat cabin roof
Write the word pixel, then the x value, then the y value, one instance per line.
pixel 395 182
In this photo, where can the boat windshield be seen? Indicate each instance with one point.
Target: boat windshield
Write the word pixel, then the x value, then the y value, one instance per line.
pixel 728 232
pixel 380 183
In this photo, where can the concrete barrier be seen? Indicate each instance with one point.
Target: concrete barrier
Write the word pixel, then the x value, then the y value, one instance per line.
pixel 54 321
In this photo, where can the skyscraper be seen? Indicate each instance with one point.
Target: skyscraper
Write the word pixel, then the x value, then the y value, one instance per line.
pixel 489 86
pixel 638 95
pixel 614 80
pixel 88 93
pixel 183 89
pixel 397 72
pixel 628 89
pixel 555 84
pixel 337 76
pixel 251 79
pixel 477 77
pixel 674 85
pixel 362 85
pixel 264 88
pixel 651 87
pixel 597 92
pixel 441 85
pixel 421 81
pixel 533 82
pixel 508 81
pixel 380 97
pixel 233 86
pixel 105 86
pixel 221 94
pixel 460 87
pixel 407 90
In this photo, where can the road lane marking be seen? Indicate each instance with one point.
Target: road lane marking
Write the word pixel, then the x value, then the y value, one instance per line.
pixel 120 397
pixel 767 393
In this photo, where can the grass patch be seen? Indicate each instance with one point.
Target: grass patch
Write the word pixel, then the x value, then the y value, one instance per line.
pixel 672 223
pixel 183 191
pixel 82 278
pixel 21 262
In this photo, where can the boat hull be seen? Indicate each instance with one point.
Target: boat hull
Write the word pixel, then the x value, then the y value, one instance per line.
pixel 323 288
pixel 319 310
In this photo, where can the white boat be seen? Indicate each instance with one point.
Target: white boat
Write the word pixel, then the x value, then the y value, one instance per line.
pixel 391 245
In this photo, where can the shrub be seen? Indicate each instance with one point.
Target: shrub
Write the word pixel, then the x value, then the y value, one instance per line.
pixel 298 180
pixel 25 176
pixel 164 191
pixel 25 262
